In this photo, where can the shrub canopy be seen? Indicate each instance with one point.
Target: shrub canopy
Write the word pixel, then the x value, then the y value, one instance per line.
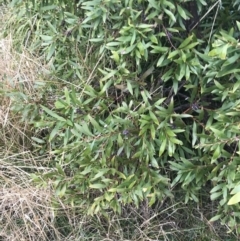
pixel 149 101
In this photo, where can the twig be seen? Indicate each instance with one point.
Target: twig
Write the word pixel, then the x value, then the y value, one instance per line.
pixel 169 39
pixel 209 10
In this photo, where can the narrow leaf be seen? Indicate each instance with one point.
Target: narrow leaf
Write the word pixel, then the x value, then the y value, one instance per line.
pixel 234 199
pixel 53 114
pixel 194 133
pixel 186 42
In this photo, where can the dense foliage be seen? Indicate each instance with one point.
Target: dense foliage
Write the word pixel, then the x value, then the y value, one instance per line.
pixel 149 102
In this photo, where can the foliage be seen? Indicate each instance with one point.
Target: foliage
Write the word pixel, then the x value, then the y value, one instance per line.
pixel 150 102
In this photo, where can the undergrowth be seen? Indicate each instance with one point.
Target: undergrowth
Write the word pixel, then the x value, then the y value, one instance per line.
pixel 104 136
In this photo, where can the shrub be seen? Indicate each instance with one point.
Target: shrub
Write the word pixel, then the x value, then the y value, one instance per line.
pixel 150 102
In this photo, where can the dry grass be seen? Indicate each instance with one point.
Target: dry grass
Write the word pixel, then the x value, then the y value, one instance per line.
pixel 18 75
pixel 26 211
pixel 16 68
pixel 29 212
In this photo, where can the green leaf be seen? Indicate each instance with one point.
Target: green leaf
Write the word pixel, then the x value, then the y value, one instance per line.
pixel 109 196
pixel 182 115
pixel 181 71
pixel 124 39
pixel 53 114
pixel 182 12
pixel 120 140
pixel 60 104
pixel 231 60
pixel 120 150
pixel 154 163
pixel 173 54
pixel 96 40
pixel 113 44
pixel 170 149
pixel 159 102
pixel 128 49
pixel 159 49
pixel 60 169
pixel 170 133
pixel 215 195
pixel 66 92
pixel 47 38
pixel 186 42
pixel 99 174
pixel 97 186
pixel 234 199
pixel 141 48
pixel 203 2
pixel 143 93
pixel 162 147
pixel 55 131
pixel 51 51
pixel 153 131
pixel 223 52
pixel 115 56
pixel 194 133
pixel 109 75
pixel 152 199
pixel 228 70
pixel 83 129
pixel 38 140
pixel 190 46
pixel 170 14
pixel 170 106
pixel 61 192
pixel 220 52
pixel 236 189
pixel 216 154
pixel 129 87
pixel 106 86
pixel 169 4
pixel 148 72
pixel 154 4
pixel 215 218
pixel 94 123
pixel 187 72
pixel 154 118
pixel 66 136
pixel 48 7
pixel 238 25
pixel 218 133
pixel 87 170
pixel 175 166
pixel 175 141
pixel 218 187
pixel 175 86
pixel 161 60
pixel 154 39
pixel 133 37
pixel 144 25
